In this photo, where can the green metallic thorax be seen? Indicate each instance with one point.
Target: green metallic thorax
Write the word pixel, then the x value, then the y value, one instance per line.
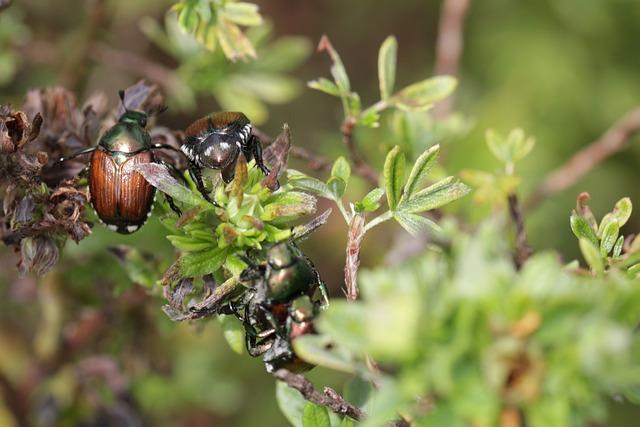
pixel 288 272
pixel 127 136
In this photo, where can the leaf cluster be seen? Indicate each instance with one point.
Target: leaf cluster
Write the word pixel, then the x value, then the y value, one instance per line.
pixel 461 336
pixel 602 245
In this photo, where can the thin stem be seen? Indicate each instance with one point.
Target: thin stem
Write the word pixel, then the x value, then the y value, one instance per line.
pixel 330 398
pixel 378 220
pixel 361 167
pixel 522 251
pixel 352 261
pixel 343 211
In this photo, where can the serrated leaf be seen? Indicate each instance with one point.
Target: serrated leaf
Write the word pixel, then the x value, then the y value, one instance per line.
pixel 198 264
pixel 609 236
pixel 591 255
pixel 291 403
pixel 394 166
pixel 324 85
pixel 387 58
pixel 439 194
pixel 416 225
pixel 582 229
pixel 341 169
pixel 420 169
pixel 233 332
pixel 315 416
pixel 284 207
pixel 422 95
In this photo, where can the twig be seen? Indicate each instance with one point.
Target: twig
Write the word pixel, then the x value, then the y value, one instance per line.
pixel 352 262
pixel 612 141
pixel 522 251
pixel 330 398
pixel 449 46
pixel 361 167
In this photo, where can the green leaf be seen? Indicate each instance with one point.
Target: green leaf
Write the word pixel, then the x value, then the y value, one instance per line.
pixel 416 225
pixel 370 118
pixel 622 211
pixel 233 332
pixel 497 145
pixel 324 85
pixel 609 236
pixel 189 244
pixel 592 255
pixel 200 263
pixel 284 207
pixel 387 58
pixel 371 201
pixel 158 176
pixel 242 13
pixel 617 248
pixel 304 182
pixel 336 187
pixel 320 350
pixel 422 95
pixel 582 229
pixel 394 166
pixel 341 169
pixel 420 170
pixel 291 403
pixel 434 196
pixel 347 422
pixel 315 416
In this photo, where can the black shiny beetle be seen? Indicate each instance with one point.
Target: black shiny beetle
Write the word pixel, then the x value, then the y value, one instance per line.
pixel 120 195
pixel 216 141
pixel 285 296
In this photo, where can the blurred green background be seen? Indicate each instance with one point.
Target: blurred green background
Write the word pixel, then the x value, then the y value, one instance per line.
pixel 562 70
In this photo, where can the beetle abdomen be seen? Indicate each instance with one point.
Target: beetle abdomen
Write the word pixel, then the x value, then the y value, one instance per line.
pixel 121 197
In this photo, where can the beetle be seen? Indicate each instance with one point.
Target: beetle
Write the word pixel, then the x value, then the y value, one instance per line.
pixel 120 195
pixel 216 141
pixel 285 295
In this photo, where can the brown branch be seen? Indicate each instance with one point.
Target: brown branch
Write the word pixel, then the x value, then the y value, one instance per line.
pixel 352 262
pixel 449 46
pixel 522 251
pixel 330 398
pixel 361 167
pixel 612 141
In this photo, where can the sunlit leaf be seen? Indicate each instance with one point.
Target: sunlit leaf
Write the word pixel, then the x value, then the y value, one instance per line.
pixel 437 195
pixel 422 95
pixel 315 416
pixel 387 66
pixel 420 169
pixel 394 165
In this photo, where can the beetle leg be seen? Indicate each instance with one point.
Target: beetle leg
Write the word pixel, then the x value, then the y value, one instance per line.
pixel 194 171
pixel 229 171
pixel 166 147
pixel 176 173
pixel 256 151
pixel 86 150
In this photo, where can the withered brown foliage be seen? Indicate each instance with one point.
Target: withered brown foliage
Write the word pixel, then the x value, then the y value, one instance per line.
pixel 42 203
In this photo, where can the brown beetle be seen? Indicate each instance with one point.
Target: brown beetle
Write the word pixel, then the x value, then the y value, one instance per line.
pixel 120 195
